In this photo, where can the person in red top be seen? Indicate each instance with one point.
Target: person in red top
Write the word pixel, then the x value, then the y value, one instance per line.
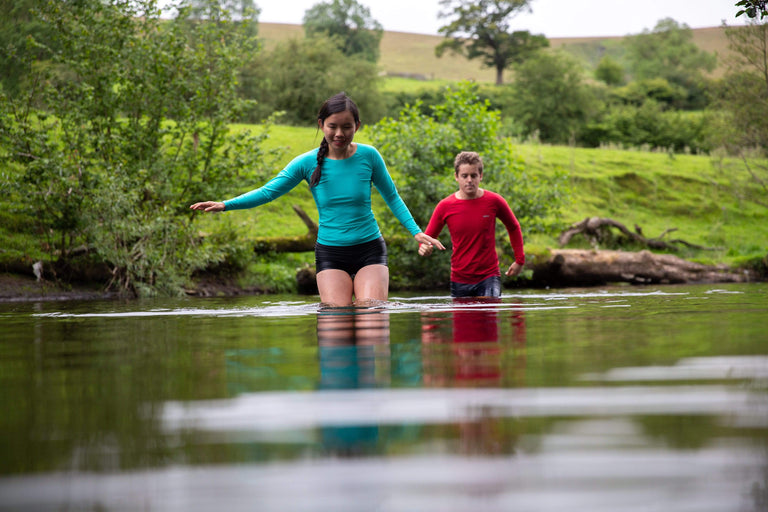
pixel 470 214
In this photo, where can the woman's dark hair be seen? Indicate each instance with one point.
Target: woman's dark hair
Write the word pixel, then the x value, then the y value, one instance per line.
pixel 337 103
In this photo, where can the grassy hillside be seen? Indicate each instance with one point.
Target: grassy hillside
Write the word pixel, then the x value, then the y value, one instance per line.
pixel 413 55
pixel 709 201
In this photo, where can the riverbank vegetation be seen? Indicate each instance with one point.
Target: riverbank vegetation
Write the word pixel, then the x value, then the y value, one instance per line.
pixel 114 120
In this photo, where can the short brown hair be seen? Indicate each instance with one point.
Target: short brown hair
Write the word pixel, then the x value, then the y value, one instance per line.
pixel 467 157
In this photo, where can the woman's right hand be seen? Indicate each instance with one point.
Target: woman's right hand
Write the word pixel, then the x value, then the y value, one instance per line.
pixel 209 206
pixel 425 249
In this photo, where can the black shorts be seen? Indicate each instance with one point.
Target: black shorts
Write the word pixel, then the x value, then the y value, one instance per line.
pixel 350 258
pixel 488 287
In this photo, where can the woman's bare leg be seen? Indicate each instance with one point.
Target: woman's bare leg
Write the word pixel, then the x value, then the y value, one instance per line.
pixel 372 283
pixel 335 287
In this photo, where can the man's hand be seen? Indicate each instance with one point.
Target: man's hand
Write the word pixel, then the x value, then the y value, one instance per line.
pixel 514 269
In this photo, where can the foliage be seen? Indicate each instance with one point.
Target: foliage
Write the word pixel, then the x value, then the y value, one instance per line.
pixel 420 149
pixel 649 125
pixel 298 75
pixel 481 30
pixel 551 99
pixel 752 8
pixel 347 22
pixel 745 102
pixel 610 71
pixel 669 52
pixel 659 90
pixel 745 88
pixel 20 32
pixel 134 128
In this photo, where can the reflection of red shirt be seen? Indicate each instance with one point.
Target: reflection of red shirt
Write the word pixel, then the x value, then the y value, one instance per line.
pixel 472 225
pixel 475 326
pixel 476 346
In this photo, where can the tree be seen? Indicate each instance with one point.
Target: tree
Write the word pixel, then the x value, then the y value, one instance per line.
pixel 657 89
pixel 609 71
pixel 550 96
pixel 752 8
pixel 24 40
pixel 481 30
pixel 297 75
pixel 349 23
pixel 128 126
pixel 669 52
pixel 241 13
pixel 745 95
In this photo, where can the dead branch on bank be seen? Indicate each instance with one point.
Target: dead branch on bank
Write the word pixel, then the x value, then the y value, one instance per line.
pixel 304 243
pixel 597 231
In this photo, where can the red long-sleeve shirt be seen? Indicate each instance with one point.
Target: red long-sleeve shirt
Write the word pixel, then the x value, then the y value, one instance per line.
pixel 472 226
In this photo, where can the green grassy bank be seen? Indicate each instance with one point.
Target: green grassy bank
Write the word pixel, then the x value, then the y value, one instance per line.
pixel 708 201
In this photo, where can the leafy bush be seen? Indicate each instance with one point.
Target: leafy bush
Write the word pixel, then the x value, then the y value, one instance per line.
pixel 650 125
pixel 133 128
pixel 420 149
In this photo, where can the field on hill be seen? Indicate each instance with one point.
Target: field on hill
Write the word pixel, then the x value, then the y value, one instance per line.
pixel 413 55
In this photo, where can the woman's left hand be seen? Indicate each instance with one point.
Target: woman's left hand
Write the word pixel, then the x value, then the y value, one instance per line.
pixel 427 240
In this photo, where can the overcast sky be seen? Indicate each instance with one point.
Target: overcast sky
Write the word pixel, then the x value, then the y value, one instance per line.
pixel 553 18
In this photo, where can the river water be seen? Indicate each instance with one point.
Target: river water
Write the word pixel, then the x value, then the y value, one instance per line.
pixel 604 399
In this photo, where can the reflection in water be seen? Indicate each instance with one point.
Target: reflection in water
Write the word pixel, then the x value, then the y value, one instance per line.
pixel 463 346
pixel 465 349
pixel 353 349
pixel 627 398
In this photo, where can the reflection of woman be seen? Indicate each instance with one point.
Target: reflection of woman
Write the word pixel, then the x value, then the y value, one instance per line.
pixel 354 354
pixel 350 255
pixel 349 345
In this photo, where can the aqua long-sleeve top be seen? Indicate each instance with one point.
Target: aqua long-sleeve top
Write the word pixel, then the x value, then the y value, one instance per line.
pixel 342 197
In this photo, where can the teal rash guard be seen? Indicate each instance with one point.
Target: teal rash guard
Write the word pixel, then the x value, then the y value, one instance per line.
pixel 342 197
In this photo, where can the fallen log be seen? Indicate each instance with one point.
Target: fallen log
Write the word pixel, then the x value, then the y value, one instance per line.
pixel 583 267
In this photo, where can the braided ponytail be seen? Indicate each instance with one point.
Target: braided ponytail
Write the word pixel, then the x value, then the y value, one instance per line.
pixel 321 154
pixel 337 103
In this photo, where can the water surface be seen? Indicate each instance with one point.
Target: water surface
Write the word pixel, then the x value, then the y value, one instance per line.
pixel 616 398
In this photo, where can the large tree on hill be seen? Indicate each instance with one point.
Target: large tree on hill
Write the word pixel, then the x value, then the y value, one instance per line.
pixel 349 23
pixel 481 30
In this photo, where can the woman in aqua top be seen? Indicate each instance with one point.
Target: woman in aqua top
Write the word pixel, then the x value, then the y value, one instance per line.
pixel 350 254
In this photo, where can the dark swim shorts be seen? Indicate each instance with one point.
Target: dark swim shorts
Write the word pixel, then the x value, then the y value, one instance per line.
pixel 350 258
pixel 490 287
